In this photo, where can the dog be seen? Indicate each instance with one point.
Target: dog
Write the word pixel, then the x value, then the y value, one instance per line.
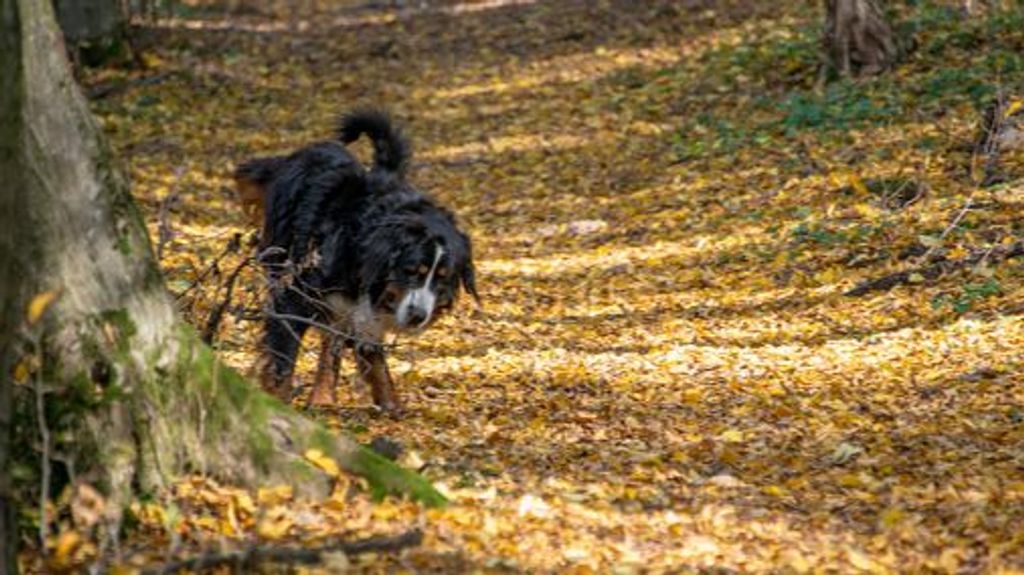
pixel 357 251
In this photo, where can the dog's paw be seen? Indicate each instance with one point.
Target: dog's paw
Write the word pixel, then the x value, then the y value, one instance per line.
pixel 391 408
pixel 321 397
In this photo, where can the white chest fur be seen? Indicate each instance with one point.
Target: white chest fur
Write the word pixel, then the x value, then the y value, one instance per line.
pixel 358 318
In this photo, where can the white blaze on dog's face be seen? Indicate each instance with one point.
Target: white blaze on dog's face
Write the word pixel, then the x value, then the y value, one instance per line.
pixel 416 308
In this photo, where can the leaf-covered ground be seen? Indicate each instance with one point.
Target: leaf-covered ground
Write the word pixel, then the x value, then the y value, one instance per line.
pixel 665 373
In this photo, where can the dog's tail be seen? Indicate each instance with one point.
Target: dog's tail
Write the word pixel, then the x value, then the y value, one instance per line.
pixel 391 150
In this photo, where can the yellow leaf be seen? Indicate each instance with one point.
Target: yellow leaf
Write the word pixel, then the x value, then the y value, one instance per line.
pixel 268 496
pixel 275 525
pixel 829 275
pixel 1013 108
pixel 323 461
pixel 39 304
pixel 850 480
pixel 22 371
pixel 915 278
pixel 151 61
pixel 891 517
pixel 774 491
pixel 692 396
pixel 206 522
pixel 731 436
pixel 858 184
pixel 863 562
pixel 958 253
pixel 866 210
pixel 244 503
pixel 67 543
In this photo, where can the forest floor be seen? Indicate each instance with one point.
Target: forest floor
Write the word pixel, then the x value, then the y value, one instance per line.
pixel 665 373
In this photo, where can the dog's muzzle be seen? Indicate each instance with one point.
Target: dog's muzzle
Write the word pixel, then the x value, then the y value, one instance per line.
pixel 417 307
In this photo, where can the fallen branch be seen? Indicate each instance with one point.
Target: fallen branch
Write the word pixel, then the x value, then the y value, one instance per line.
pixel 245 560
pixel 937 269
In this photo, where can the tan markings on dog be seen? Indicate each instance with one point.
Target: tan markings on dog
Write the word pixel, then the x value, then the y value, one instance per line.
pixel 374 370
pixel 325 386
pixel 252 197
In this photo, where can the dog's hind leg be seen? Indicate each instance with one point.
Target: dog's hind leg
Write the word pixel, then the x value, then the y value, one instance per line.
pixel 373 368
pixel 325 386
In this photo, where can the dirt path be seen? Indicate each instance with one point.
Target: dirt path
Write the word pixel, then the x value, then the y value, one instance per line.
pixel 664 374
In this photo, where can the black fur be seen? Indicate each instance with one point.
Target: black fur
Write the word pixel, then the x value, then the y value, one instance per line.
pixel 334 228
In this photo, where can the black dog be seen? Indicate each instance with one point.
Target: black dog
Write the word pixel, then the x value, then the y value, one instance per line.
pixel 361 251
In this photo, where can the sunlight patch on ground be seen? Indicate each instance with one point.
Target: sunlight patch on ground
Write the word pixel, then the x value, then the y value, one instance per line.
pixel 503 145
pixel 608 256
pixel 574 68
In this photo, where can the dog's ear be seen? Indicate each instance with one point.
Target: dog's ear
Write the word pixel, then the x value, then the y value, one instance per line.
pixel 377 255
pixel 469 281
pixel 468 275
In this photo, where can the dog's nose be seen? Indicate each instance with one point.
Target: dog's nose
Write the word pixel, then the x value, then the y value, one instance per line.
pixel 417 316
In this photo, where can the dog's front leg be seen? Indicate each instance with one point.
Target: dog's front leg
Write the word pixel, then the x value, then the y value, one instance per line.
pixel 325 386
pixel 373 368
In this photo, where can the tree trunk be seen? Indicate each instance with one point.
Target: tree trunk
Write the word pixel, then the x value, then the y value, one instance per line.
pixel 11 301
pixel 96 31
pixel 858 38
pixel 89 20
pixel 132 398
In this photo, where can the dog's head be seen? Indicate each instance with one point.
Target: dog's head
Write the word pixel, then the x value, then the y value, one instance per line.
pixel 413 266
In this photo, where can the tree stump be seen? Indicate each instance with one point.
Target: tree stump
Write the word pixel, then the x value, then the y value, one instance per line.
pixel 858 38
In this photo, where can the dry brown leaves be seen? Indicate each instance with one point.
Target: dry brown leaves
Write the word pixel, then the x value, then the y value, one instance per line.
pixel 664 374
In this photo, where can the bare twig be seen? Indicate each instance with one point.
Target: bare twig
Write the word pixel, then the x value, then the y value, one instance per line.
pixel 232 247
pixel 246 559
pixel 213 322
pixel 952 226
pixel 326 328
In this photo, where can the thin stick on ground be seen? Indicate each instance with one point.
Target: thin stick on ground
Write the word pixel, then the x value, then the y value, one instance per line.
pixel 952 226
pixel 246 559
pixel 937 269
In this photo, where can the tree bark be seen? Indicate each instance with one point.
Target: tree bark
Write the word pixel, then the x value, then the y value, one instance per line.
pixel 133 397
pixel 858 37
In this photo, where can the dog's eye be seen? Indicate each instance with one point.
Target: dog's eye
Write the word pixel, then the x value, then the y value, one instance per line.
pixel 442 272
pixel 422 270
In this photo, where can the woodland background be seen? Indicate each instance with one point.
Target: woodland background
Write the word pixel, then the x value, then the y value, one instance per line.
pixel 751 301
